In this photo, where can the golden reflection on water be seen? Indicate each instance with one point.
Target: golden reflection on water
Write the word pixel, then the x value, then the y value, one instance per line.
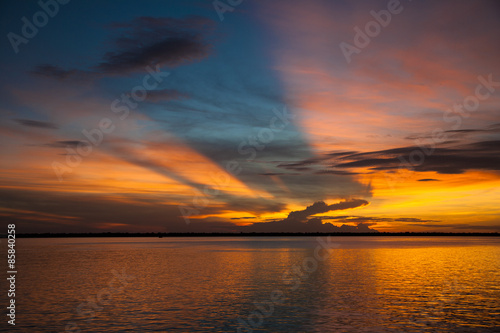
pixel 412 289
pixel 205 285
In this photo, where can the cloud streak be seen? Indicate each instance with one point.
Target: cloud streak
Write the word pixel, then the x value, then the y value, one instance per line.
pixel 483 155
pixel 457 159
pixel 36 123
pixel 145 41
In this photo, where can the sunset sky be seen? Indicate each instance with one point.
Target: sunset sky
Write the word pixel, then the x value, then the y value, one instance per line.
pixel 283 115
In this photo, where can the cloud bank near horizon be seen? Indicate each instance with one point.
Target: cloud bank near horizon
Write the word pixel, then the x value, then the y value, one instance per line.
pixel 299 221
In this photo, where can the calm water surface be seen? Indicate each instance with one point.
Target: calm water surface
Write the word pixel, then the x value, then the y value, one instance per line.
pixel 356 284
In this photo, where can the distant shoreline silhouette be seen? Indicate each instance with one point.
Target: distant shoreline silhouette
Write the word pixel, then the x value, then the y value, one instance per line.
pixel 252 234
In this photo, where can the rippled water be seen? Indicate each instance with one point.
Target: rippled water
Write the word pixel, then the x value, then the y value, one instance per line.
pixel 358 284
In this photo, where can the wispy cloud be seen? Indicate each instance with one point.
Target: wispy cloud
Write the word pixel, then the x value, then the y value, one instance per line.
pixel 36 123
pixel 145 41
pixel 64 144
pixel 483 155
pixel 457 159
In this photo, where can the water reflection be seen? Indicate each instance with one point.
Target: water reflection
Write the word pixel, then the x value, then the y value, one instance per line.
pixel 205 285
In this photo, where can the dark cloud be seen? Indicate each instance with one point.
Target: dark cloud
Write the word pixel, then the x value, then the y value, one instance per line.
pixel 256 205
pixel 428 180
pixel 297 220
pixel 343 153
pixel 56 72
pixel 372 219
pixel 312 225
pixel 64 144
pixel 302 165
pixel 321 207
pixel 336 172
pixel 146 41
pixel 36 123
pixel 412 219
pixel 300 169
pixel 449 157
pixel 483 155
pixel 316 165
pixel 465 131
pixel 163 41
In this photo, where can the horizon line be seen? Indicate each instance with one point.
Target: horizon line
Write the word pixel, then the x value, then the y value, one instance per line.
pixel 246 234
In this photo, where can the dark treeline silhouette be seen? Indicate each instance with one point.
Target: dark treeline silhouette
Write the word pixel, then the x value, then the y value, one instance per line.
pixel 253 234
